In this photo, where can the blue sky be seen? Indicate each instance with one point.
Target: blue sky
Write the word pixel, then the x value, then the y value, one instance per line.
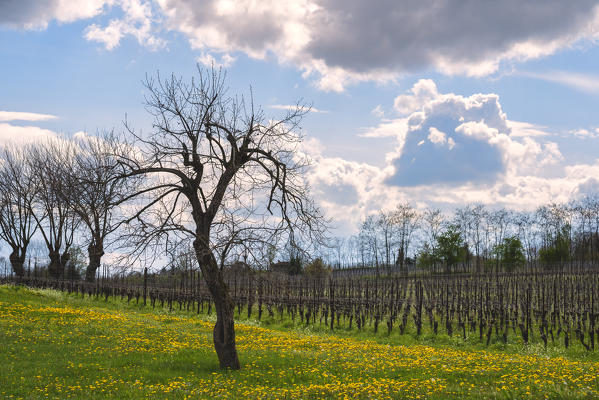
pixel 438 103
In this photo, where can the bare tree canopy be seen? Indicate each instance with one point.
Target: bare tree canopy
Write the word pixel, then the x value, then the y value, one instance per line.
pixel 94 189
pixel 17 194
pixel 221 176
pixel 55 218
pixel 405 220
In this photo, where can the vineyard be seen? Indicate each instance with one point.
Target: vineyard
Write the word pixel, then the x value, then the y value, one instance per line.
pixel 558 306
pixel 59 345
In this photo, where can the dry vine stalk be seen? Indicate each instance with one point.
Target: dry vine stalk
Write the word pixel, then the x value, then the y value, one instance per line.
pixel 221 176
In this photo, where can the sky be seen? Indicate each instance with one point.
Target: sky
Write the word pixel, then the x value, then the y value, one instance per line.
pixel 439 103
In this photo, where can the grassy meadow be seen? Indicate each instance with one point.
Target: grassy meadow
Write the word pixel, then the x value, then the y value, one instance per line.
pixel 55 345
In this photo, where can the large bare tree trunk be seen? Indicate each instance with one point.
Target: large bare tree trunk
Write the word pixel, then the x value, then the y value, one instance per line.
pixel 224 333
pixel 17 261
pixel 224 330
pixel 95 253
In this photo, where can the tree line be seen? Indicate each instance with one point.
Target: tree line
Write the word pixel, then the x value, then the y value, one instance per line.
pixel 63 190
pixel 474 237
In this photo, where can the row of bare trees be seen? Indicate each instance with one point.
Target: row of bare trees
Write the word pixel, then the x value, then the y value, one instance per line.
pixel 63 190
pixel 405 235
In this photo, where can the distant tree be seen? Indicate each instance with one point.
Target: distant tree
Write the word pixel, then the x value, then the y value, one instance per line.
pixel 426 257
pixel 405 220
pixel 432 224
pixel 317 268
pixel 385 228
pixel 451 248
pixel 76 265
pixel 221 176
pixel 510 253
pixel 557 248
pixel 295 265
pixel 585 244
pixel 271 253
pixel 525 223
pixel 353 250
pixel 473 219
pixel 337 245
pixel 370 241
pixel 555 221
pixel 499 221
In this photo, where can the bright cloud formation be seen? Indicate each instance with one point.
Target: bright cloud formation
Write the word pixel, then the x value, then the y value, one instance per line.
pixel 138 21
pixel 335 42
pixel 11 134
pixel 450 151
pixel 16 135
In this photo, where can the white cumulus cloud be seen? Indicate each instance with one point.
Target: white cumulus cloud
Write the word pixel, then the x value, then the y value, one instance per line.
pixel 451 151
pixel 16 135
pixel 137 21
pixel 421 93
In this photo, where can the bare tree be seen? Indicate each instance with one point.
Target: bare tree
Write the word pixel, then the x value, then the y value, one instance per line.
pixel 37 253
pixel 500 220
pixel 405 220
pixel 54 217
pixel 353 250
pixel 385 228
pixel 587 210
pixel 17 193
pixel 93 189
pixel 555 221
pixel 221 176
pixel 473 219
pixel 432 224
pixel 369 233
pixel 336 252
pixel 528 232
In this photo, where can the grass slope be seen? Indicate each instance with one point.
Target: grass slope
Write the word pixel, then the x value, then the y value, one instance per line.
pixel 54 345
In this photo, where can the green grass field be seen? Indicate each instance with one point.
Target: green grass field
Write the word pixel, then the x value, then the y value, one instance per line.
pixel 54 345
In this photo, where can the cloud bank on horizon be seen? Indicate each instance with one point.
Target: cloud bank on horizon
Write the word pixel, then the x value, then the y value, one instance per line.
pixel 448 149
